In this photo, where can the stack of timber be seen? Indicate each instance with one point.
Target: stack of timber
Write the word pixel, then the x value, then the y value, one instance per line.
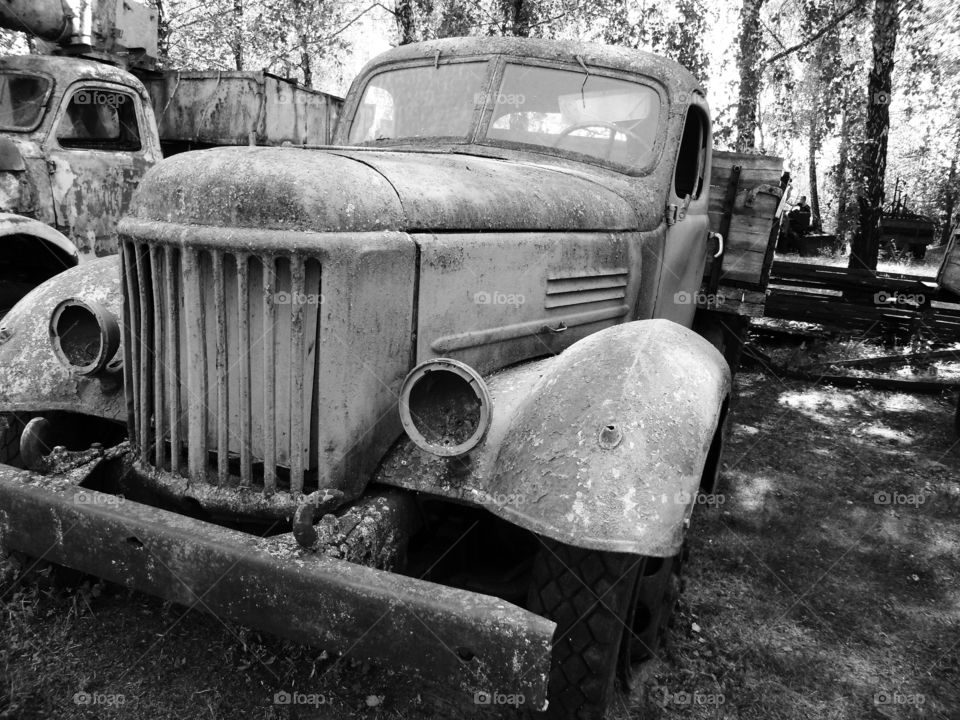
pixel 863 302
pixel 745 199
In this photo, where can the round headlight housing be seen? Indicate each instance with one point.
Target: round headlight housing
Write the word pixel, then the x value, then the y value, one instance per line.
pixel 445 407
pixel 85 335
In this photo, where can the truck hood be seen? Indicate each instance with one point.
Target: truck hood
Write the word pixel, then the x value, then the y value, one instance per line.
pixel 357 190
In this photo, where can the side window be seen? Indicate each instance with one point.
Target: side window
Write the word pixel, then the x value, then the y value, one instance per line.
pixel 692 158
pixel 100 119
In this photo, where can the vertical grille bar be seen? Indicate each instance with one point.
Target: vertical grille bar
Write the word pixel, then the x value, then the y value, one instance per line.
pixel 196 366
pixel 190 394
pixel 131 357
pixel 243 312
pixel 297 290
pixel 172 310
pixel 156 277
pixel 223 393
pixel 269 379
pixel 145 367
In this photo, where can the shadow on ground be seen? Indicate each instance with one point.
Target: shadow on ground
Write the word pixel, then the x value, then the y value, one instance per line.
pixel 824 586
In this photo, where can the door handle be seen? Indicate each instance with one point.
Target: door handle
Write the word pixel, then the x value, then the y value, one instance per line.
pixel 719 238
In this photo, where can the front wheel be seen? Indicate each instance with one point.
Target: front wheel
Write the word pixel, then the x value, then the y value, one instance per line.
pixel 589 595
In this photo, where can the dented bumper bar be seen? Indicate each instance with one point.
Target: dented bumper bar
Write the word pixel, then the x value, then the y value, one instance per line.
pixel 471 642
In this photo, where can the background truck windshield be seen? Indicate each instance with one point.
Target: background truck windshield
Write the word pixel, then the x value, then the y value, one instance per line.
pixel 589 114
pixel 22 98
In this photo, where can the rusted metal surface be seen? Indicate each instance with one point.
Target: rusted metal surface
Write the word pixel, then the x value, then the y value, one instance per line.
pixel 374 531
pixel 494 299
pixel 80 192
pixel 237 108
pixel 549 463
pixel 475 641
pixel 123 30
pixel 31 376
pixel 60 248
pixel 358 190
pixel 269 188
pixel 450 192
pixel 47 19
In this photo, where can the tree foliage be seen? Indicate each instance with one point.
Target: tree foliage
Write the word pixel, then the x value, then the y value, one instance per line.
pixel 292 38
pixel 797 78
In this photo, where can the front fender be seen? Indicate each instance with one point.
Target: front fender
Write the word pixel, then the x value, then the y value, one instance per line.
pixel 602 447
pixel 32 379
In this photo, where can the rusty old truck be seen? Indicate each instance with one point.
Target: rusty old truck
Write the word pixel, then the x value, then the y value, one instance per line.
pixel 82 122
pixel 431 394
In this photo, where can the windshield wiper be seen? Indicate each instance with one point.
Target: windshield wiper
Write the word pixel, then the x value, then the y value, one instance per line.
pixel 586 77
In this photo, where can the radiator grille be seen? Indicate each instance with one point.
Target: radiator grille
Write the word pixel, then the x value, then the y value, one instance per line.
pixel 222 359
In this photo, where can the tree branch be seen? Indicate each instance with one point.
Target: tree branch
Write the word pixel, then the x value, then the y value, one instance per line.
pixel 816 36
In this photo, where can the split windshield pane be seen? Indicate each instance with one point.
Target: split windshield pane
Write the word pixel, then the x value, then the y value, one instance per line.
pixel 576 111
pixel 419 102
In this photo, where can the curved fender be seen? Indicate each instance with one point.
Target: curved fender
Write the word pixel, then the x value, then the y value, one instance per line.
pixel 31 377
pixel 12 224
pixel 602 447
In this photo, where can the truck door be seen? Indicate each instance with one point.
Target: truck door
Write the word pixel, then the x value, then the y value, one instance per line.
pixel 99 149
pixel 684 254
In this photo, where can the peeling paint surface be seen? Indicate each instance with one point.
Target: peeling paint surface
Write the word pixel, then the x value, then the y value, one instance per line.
pixel 31 376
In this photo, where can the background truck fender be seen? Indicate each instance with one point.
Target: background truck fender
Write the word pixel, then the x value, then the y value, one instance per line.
pixel 30 252
pixel 63 251
pixel 601 447
pixel 32 379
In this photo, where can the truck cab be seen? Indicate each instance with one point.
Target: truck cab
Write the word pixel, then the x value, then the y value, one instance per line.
pixel 77 136
pixel 470 315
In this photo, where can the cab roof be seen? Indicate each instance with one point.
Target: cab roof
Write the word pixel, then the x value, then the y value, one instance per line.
pixel 67 70
pixel 672 74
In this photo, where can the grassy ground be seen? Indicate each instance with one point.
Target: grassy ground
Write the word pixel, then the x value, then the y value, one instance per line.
pixel 824 586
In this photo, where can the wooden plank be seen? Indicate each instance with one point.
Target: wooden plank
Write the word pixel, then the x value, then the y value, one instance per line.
pixel 733 301
pixel 879 383
pixel 892 359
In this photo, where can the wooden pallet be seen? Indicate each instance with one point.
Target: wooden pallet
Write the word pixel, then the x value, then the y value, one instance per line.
pixel 862 301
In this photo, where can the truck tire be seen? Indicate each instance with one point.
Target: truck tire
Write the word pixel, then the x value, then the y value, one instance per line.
pixel 11 427
pixel 589 594
pixel 658 589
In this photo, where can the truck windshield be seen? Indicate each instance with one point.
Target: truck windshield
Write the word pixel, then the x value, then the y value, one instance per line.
pixel 569 111
pixel 22 99
pixel 576 111
pixel 419 102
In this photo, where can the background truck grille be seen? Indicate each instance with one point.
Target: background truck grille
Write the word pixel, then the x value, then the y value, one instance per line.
pixel 221 363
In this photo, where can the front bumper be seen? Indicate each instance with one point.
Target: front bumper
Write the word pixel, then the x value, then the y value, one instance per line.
pixel 467 641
